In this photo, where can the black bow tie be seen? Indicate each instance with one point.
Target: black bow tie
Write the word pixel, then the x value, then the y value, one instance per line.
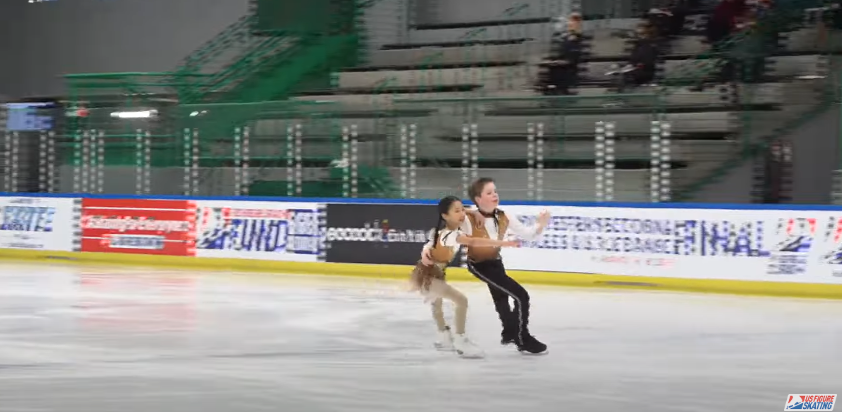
pixel 488 214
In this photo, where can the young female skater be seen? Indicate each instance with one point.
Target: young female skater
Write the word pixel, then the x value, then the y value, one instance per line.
pixel 429 277
pixel 485 263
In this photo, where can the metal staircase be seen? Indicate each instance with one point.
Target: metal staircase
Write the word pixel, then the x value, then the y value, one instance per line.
pixel 244 65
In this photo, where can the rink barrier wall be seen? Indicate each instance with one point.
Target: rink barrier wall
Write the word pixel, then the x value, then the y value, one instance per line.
pixel 792 250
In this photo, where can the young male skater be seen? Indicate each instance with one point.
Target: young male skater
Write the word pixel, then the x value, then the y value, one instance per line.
pixel 486 264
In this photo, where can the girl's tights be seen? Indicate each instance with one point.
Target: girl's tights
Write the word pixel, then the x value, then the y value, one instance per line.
pixel 441 289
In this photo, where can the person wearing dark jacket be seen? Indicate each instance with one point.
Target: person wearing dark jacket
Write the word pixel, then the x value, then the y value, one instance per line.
pixel 723 21
pixel 642 64
pixel 644 57
pixel 566 53
pixel 679 10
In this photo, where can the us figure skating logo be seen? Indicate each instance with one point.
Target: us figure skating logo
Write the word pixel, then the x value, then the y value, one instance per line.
pixel 793 239
pixel 810 402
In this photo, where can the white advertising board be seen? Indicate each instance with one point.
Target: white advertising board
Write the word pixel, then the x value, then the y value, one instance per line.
pixel 755 245
pixel 259 230
pixel 38 223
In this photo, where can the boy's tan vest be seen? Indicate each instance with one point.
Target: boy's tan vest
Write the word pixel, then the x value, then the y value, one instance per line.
pixel 479 254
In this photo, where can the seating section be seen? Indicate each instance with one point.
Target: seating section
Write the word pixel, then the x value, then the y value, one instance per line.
pixel 423 85
pixel 566 184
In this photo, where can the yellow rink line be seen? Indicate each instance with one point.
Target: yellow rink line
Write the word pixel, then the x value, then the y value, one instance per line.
pixel 812 290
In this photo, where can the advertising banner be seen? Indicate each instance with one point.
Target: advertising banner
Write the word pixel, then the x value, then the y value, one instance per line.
pixel 141 226
pixel 260 230
pixel 754 245
pixel 39 223
pixel 374 233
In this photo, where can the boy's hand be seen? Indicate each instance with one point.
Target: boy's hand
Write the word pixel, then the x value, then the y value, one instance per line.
pixel 543 219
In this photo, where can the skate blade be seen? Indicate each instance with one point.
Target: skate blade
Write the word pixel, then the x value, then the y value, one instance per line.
pixel 544 353
pixel 462 355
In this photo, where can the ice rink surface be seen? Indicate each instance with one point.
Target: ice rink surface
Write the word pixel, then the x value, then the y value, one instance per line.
pixel 108 339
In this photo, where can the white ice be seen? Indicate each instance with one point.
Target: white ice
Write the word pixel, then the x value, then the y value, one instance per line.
pixel 121 339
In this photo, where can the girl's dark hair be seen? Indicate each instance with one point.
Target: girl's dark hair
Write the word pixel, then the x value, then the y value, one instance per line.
pixel 443 208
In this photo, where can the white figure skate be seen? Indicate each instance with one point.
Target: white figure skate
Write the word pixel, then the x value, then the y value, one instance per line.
pixel 467 349
pixel 444 342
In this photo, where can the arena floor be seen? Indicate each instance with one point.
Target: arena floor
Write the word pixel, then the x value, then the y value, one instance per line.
pixel 103 339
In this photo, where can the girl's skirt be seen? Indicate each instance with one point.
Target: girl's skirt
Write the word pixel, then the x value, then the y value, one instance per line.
pixel 422 275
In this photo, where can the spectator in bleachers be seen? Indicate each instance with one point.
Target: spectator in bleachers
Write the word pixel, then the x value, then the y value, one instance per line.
pixel 761 9
pixel 746 61
pixel 668 21
pixel 644 56
pixel 661 22
pixel 723 20
pixel 642 64
pixel 829 20
pixel 563 64
pixel 679 9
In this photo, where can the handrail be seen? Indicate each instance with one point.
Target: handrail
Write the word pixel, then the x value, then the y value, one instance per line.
pixel 208 48
pixel 242 64
pixel 530 98
pixel 467 36
pixel 260 103
pixel 130 74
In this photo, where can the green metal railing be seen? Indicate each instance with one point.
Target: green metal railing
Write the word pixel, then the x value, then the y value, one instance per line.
pixel 227 58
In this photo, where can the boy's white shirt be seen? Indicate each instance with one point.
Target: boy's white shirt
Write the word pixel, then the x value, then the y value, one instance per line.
pixel 515 227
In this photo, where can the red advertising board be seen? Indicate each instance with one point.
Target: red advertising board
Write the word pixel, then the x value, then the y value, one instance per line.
pixel 141 226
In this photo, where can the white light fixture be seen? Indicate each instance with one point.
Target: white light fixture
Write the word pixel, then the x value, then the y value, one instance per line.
pixel 144 114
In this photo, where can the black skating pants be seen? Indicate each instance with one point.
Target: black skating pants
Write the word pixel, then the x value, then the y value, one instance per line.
pixel 502 287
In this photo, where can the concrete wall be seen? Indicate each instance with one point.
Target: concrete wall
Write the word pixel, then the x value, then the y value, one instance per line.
pixel 816 147
pixel 460 11
pixel 42 42
pixel 816 155
pixel 733 188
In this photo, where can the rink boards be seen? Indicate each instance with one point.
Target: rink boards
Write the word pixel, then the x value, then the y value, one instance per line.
pixel 752 249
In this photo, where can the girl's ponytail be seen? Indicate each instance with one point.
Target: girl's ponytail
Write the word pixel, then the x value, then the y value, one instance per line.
pixel 443 208
pixel 436 232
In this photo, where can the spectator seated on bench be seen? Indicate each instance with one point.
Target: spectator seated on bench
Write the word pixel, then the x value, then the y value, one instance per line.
pixel 562 67
pixel 642 65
